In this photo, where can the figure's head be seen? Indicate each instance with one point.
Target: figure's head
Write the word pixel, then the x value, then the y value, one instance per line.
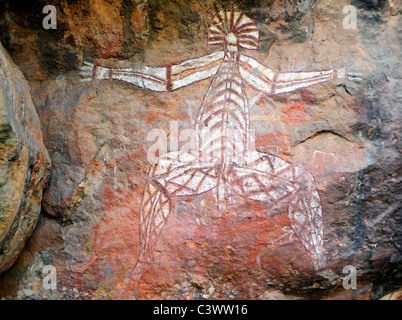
pixel 233 29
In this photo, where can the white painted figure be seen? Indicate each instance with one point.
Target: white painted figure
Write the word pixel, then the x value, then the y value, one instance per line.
pixel 221 164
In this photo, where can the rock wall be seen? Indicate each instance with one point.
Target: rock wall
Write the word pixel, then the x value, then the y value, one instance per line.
pixel 24 162
pixel 346 134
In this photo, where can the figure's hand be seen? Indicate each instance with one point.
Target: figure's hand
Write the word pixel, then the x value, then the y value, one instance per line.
pixel 89 72
pixel 344 74
pixel 86 71
pixel 357 77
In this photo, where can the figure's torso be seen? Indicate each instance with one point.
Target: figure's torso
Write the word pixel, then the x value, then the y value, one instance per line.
pixel 223 121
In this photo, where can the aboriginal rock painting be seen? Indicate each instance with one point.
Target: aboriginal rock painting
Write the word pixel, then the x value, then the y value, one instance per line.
pixel 220 164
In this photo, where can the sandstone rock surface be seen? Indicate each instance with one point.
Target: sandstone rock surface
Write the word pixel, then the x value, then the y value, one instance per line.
pixel 346 134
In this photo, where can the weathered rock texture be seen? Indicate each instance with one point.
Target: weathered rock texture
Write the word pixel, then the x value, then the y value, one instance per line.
pixel 346 134
pixel 24 162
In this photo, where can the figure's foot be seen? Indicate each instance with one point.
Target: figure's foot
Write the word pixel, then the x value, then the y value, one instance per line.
pixel 129 292
pixel 319 263
pixel 322 268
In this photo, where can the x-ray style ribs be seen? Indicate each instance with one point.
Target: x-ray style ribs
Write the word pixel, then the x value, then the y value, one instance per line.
pixel 253 175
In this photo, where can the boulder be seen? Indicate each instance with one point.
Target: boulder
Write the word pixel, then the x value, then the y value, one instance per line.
pixel 24 162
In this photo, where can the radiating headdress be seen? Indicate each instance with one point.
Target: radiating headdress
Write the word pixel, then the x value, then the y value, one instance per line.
pixel 233 29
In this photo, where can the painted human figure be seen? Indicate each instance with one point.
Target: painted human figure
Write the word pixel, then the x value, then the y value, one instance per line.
pixel 212 166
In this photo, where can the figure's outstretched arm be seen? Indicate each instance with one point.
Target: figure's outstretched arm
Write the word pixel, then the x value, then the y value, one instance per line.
pixel 271 82
pixel 165 78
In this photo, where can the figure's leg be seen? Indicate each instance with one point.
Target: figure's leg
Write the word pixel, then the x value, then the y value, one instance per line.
pixel 155 209
pixel 271 179
pixel 174 175
pixel 154 212
pixel 305 215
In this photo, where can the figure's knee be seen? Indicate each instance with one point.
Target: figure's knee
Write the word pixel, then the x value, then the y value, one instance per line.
pixel 168 162
pixel 305 180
